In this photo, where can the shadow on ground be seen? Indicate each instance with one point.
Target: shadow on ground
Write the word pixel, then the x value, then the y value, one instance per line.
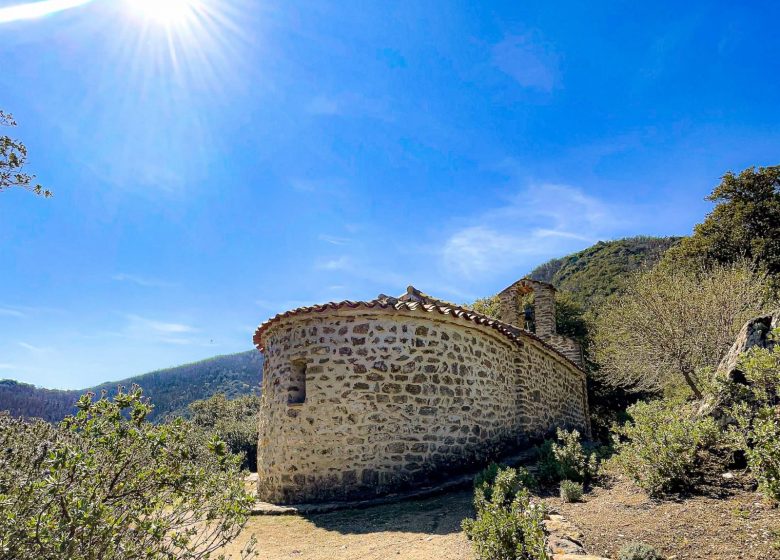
pixel 439 515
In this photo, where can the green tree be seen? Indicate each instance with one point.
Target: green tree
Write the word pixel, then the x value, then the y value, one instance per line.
pixel 669 323
pixel 745 224
pixel 490 306
pixel 234 421
pixel 13 157
pixel 106 484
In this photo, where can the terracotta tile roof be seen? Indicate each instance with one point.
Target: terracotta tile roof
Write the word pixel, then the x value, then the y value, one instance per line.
pixel 412 300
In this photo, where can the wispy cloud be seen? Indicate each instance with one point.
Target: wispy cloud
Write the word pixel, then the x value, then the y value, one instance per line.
pixel 355 267
pixel 540 222
pixel 329 186
pixel 529 60
pixel 33 347
pixel 142 323
pixel 349 105
pixel 23 311
pixel 333 239
pixel 8 312
pixel 153 330
pixel 338 263
pixel 142 280
pixel 7 366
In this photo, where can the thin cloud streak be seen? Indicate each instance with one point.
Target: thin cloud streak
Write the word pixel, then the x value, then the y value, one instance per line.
pixel 32 347
pixel 163 332
pixel 333 239
pixel 339 263
pixel 159 326
pixel 4 311
pixel 142 281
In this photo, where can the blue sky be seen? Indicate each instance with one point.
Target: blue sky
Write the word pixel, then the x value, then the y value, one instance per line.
pixel 264 155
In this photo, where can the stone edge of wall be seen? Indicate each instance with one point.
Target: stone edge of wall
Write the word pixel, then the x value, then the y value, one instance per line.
pixel 422 313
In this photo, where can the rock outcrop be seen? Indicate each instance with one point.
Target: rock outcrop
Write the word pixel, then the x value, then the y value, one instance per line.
pixel 753 333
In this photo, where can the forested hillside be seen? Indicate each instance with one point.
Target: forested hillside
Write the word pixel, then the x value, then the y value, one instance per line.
pixel 171 390
pixel 596 272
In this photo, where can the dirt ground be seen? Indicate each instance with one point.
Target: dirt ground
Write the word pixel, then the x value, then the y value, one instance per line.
pixel 415 530
pixel 735 526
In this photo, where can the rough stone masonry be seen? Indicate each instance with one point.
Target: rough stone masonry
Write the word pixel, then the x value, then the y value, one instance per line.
pixel 362 399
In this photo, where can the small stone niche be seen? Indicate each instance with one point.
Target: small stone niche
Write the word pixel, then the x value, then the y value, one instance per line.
pixel 296 390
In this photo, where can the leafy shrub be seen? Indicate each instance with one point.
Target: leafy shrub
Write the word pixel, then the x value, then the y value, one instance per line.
pixel 663 448
pixel 566 460
pixel 757 415
pixel 638 551
pixel 107 484
pixel 487 476
pixel 234 421
pixel 763 452
pixel 571 491
pixel 507 526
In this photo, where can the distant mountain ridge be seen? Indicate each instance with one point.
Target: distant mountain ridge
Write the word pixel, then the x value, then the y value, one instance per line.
pixel 589 275
pixel 170 390
pixel 595 273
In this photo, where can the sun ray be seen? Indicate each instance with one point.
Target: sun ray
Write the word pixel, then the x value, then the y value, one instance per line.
pixel 32 10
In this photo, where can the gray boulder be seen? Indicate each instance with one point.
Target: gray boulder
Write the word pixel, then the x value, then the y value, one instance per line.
pixel 753 333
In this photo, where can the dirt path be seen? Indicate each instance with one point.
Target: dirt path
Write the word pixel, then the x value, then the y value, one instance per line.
pixel 736 527
pixel 416 530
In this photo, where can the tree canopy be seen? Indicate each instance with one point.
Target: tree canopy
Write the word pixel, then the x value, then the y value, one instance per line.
pixel 745 224
pixel 669 323
pixel 13 158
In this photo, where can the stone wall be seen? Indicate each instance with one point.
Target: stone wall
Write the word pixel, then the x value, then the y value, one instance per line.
pixel 566 346
pixel 394 399
pixel 511 310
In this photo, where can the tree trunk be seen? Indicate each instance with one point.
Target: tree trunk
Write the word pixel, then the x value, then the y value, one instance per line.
pixel 689 380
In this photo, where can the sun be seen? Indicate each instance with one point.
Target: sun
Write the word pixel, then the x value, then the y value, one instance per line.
pixel 165 12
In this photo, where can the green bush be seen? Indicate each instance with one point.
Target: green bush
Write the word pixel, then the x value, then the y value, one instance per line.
pixel 638 551
pixel 757 415
pixel 665 445
pixel 571 491
pixel 487 476
pixel 565 459
pixel 234 421
pixel 763 452
pixel 507 526
pixel 106 484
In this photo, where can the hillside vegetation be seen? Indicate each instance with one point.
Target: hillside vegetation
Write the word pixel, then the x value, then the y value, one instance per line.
pixel 599 271
pixel 171 390
pixel 588 276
